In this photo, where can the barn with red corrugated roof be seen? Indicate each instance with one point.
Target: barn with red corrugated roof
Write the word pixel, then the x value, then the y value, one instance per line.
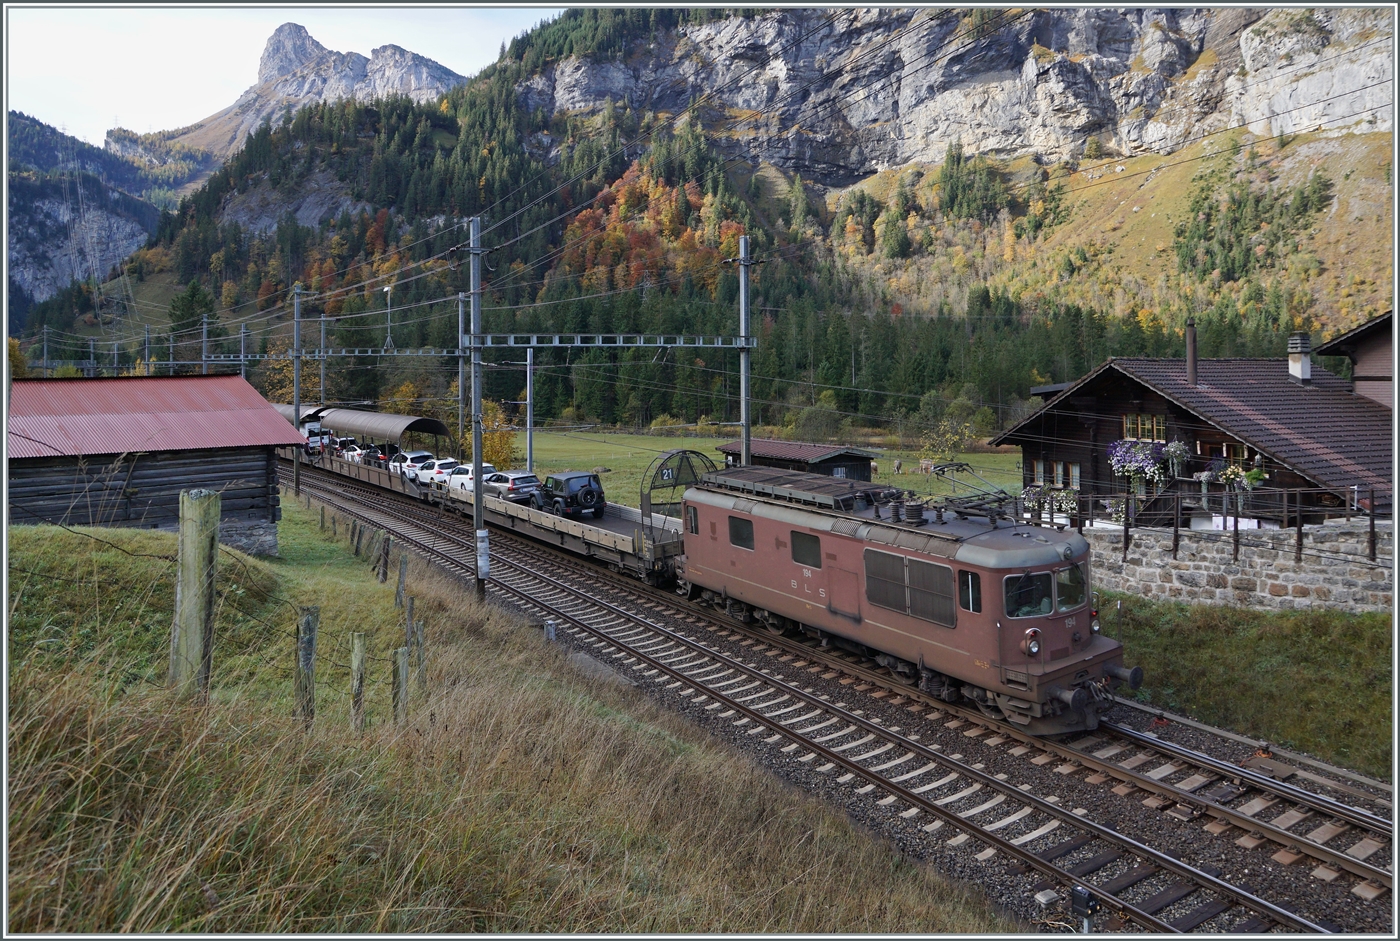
pixel 118 451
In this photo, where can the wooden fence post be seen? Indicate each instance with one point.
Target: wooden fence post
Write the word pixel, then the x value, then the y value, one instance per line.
pixel 1298 542
pixel 419 657
pixel 384 560
pixel 354 535
pixel 359 537
pixel 192 629
pixel 1235 557
pixel 1371 515
pixel 333 527
pixel 308 622
pixel 403 577
pixel 1176 524
pixel 323 517
pixel 400 668
pixel 408 621
pixel 357 681
pixel 1127 522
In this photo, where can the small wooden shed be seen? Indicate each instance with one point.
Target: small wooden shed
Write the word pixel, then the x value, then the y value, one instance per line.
pixel 118 451
pixel 827 459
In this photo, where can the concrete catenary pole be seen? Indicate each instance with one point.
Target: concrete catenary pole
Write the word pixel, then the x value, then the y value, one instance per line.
pixel 204 345
pixel 746 427
pixel 461 370
pixel 530 409
pixel 243 351
pixel 483 555
pixel 146 356
pixel 46 351
pixel 296 381
pixel 321 351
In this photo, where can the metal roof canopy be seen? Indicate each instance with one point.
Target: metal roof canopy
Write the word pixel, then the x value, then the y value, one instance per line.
pixel 379 425
pixel 774 449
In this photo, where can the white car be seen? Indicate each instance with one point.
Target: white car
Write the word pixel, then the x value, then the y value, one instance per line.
pixel 434 473
pixel 406 463
pixel 461 476
pixel 351 453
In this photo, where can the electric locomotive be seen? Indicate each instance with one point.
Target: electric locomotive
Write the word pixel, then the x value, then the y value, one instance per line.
pixel 958 597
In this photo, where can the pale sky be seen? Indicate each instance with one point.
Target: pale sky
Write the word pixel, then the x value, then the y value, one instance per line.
pixel 159 68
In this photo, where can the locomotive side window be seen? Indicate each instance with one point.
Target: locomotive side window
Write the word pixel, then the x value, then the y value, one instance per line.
pixel 884 580
pixel 1069 588
pixel 1028 595
pixel 806 549
pixel 970 591
pixel 931 592
pixel 740 532
pixel 692 520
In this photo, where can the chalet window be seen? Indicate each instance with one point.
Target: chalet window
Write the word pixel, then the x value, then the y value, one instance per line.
pixel 1038 468
pixel 838 472
pixel 806 550
pixel 740 532
pixel 1145 427
pixel 1073 474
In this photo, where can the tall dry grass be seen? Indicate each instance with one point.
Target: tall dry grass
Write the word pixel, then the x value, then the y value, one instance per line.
pixel 522 796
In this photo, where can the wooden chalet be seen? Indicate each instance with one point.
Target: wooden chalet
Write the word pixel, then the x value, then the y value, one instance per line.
pixel 1371 349
pixel 1302 426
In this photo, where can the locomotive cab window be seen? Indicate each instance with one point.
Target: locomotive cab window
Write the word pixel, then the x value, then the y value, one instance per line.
pixel 1069 588
pixel 1029 595
pixel 970 591
pixel 806 550
pixel 740 532
pixel 692 520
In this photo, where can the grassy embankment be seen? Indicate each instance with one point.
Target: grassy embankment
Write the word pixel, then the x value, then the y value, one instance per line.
pixel 1318 681
pixel 523 796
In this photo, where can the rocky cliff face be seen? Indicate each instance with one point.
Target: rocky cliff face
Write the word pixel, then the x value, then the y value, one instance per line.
pixel 55 237
pixel 875 89
pixel 296 70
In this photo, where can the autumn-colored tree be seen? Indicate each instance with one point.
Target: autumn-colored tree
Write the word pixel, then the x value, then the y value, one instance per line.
pixel 276 378
pixel 497 437
pixel 19 366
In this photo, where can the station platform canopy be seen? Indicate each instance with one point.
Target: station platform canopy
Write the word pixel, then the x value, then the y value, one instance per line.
pixel 378 426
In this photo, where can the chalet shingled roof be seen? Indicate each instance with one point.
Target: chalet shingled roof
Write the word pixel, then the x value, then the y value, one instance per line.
pixel 1322 431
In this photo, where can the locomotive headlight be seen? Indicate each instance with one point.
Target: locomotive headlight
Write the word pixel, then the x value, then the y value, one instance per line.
pixel 1094 625
pixel 1031 645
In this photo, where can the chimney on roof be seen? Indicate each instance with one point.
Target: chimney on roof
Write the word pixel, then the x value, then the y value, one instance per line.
pixel 1190 351
pixel 1300 358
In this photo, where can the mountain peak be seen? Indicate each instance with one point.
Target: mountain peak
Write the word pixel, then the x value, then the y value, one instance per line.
pixel 289 48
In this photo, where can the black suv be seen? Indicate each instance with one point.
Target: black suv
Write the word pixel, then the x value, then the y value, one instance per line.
pixel 571 493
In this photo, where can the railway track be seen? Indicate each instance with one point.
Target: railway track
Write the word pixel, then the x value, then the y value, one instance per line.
pixel 988 815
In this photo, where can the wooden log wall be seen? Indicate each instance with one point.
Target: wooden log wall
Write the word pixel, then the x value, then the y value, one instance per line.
pixel 142 490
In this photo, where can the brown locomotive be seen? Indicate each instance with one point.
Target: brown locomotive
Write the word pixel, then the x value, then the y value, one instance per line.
pixel 959 597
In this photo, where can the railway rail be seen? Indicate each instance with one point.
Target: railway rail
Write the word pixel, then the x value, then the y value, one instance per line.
pixel 1142 885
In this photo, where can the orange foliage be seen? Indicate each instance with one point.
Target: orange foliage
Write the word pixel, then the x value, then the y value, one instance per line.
pixel 635 233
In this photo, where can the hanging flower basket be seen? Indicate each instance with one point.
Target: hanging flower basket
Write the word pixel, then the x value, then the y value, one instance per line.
pixel 1177 454
pixel 1138 460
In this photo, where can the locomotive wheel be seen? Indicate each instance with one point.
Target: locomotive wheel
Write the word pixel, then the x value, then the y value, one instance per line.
pixel 776 630
pixel 991 712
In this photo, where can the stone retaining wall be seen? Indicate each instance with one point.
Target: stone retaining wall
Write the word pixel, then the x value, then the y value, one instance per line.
pixel 255 537
pixel 1335 571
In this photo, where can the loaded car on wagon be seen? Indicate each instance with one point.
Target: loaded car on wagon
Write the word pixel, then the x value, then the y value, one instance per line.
pixel 571 493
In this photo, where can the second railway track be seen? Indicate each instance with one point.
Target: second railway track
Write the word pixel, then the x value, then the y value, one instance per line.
pixel 989 815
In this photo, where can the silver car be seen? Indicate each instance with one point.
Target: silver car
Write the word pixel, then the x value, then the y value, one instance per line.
pixel 515 485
